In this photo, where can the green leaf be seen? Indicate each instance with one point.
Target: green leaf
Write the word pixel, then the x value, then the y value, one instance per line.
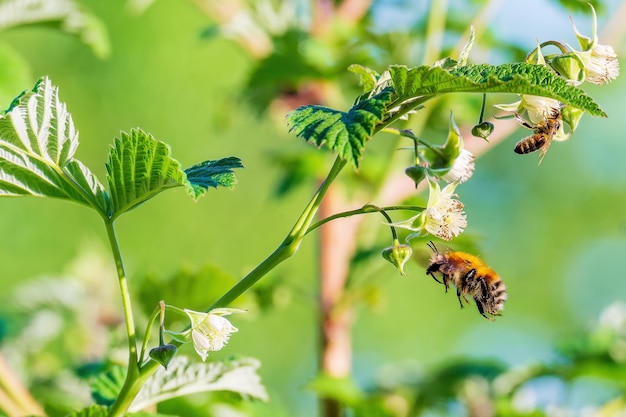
pixel 106 386
pixel 519 78
pixel 92 411
pixel 184 378
pixel 68 15
pixel 212 174
pixel 138 168
pixel 367 76
pixel 344 133
pixel 37 145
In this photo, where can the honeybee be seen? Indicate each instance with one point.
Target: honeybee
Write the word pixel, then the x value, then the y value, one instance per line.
pixel 542 138
pixel 470 276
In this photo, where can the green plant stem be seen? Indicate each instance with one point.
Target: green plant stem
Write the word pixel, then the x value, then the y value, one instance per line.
pixel 289 246
pixel 137 377
pixel 130 386
pixel 148 333
pixel 368 208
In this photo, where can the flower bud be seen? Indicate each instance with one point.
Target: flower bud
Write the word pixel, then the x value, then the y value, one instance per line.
pixel 417 173
pixel 163 354
pixel 572 115
pixel 483 130
pixel 570 67
pixel 398 255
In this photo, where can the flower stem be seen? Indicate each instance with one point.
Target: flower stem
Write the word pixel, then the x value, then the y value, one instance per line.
pixel 368 208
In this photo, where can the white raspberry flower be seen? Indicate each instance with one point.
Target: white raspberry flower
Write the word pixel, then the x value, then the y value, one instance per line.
pixel 211 331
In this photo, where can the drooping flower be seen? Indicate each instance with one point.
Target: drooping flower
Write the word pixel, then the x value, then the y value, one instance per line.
pixel 210 331
pixel 600 61
pixel 451 161
pixel 443 217
pixel 537 108
pixel 462 168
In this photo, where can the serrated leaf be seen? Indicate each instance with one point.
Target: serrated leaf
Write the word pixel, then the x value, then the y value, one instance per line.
pixel 92 411
pixel 138 168
pixel 212 174
pixel 367 76
pixel 343 132
pixel 70 16
pixel 183 378
pixel 37 145
pixel 519 78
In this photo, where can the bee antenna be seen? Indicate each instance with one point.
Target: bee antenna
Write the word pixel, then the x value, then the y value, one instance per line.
pixel 431 245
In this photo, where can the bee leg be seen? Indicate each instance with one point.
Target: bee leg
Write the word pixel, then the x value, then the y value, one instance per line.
pixel 446 279
pixel 523 122
pixel 434 277
pixel 481 309
pixel 459 295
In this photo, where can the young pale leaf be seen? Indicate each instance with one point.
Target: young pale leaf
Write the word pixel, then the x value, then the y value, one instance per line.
pixel 68 15
pixel 367 76
pixel 37 145
pixel 212 174
pixel 184 378
pixel 520 78
pixel 345 133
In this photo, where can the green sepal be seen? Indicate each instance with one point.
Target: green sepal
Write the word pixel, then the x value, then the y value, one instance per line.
pixel 569 66
pixel 182 337
pixel 441 160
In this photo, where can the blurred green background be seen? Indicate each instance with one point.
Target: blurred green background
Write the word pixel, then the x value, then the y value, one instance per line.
pixel 556 233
